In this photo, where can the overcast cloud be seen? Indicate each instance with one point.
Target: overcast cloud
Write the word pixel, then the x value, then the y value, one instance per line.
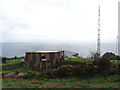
pixel 57 20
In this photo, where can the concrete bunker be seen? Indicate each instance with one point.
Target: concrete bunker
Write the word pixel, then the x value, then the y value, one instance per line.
pixel 41 60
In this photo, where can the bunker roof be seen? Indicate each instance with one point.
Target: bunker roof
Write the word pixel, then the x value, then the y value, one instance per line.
pixel 42 51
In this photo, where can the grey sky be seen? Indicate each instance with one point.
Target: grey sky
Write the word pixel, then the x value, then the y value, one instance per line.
pixel 57 20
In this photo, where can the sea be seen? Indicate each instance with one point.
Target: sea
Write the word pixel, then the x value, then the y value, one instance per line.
pixel 84 49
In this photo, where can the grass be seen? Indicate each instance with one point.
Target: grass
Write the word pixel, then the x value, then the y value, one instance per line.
pixel 98 82
pixel 12 61
pixel 115 61
pixel 80 59
pixel 87 60
pixel 20 70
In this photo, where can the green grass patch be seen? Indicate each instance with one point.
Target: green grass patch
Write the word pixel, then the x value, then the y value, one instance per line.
pixel 97 82
pixel 115 61
pixel 20 69
pixel 12 61
pixel 80 59
pixel 87 60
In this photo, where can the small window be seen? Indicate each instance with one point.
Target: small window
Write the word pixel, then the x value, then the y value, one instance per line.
pixel 43 57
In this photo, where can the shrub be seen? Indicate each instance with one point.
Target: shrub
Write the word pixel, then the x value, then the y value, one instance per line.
pixel 31 74
pixel 86 70
pixel 81 70
pixel 110 55
pixel 119 68
pixel 101 66
pixel 117 57
pixel 47 74
pixel 4 60
pixel 104 66
pixel 64 71
pixel 60 72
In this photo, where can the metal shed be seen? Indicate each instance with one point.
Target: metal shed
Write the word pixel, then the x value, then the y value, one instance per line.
pixel 43 59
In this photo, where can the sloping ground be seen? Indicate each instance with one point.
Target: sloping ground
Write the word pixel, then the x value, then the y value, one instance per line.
pixel 10 61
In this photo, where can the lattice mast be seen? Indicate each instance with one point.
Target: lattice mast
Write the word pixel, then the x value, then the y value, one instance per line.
pixel 98 41
pixel 117 45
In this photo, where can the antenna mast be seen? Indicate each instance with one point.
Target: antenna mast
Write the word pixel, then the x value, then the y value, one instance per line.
pixel 117 45
pixel 98 41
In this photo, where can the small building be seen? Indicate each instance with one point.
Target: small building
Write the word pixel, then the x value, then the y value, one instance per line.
pixel 40 60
